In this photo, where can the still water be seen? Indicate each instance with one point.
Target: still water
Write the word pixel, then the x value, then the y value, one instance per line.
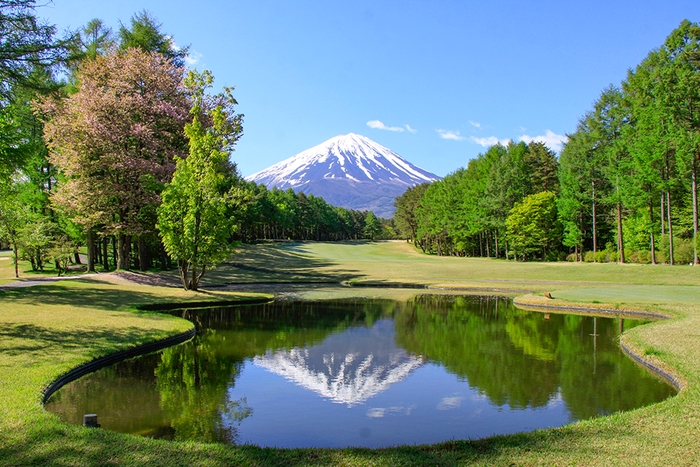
pixel 367 373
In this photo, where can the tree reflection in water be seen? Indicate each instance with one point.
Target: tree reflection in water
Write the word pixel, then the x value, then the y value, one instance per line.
pixel 515 358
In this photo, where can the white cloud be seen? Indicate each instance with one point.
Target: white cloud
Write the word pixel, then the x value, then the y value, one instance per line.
pixel 475 124
pixel 378 125
pixel 550 139
pixel 192 58
pixel 380 412
pixel 411 130
pixel 453 135
pixel 448 403
pixel 376 413
pixel 489 141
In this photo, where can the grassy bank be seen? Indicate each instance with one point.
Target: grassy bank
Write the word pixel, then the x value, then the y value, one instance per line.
pixel 49 329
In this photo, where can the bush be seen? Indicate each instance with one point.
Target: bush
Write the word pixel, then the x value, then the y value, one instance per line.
pixel 554 256
pixel 589 257
pixel 571 257
pixel 601 256
pixel 662 256
pixel 643 256
pixel 640 256
pixel 613 257
pixel 683 251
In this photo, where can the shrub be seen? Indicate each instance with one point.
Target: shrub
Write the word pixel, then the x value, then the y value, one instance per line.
pixel 589 257
pixel 683 251
pixel 601 256
pixel 613 256
pixel 643 256
pixel 662 256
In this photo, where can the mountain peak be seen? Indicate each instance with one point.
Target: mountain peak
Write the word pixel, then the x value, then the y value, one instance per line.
pixel 344 162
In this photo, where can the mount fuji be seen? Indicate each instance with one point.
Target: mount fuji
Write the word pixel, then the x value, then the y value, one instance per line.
pixel 349 171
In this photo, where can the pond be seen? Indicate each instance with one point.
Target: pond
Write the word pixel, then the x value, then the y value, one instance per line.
pixel 368 373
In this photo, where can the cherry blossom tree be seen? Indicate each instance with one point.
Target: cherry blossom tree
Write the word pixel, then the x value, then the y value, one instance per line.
pixel 116 141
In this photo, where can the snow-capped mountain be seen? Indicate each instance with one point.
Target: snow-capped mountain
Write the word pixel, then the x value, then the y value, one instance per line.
pixel 347 368
pixel 350 170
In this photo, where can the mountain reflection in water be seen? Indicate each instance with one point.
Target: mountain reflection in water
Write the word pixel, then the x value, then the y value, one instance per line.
pixel 368 373
pixel 348 367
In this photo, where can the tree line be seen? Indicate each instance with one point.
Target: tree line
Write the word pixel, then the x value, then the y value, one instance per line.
pixel 108 142
pixel 624 187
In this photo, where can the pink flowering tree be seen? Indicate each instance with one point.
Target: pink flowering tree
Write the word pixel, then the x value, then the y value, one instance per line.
pixel 116 141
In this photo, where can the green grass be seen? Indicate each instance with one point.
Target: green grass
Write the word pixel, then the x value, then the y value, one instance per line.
pixel 398 262
pixel 7 269
pixel 49 329
pixel 655 294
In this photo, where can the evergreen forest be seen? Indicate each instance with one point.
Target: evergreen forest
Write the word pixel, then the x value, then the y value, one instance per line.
pixel 623 188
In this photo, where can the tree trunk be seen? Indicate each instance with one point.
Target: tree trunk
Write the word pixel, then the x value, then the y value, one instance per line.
pixel 495 234
pixel 595 233
pixel 98 250
pixel 91 249
pixel 16 252
pixel 105 255
pixel 115 255
pixel 670 228
pixel 663 215
pixel 143 254
pixel 620 239
pixel 183 267
pixel 695 213
pixel 651 223
pixel 124 253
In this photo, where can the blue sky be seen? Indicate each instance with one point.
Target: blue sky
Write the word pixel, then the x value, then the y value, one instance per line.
pixel 437 81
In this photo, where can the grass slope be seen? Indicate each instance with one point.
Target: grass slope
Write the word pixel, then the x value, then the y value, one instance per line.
pixel 48 329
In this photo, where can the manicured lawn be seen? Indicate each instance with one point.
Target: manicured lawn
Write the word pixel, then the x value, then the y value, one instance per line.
pixel 7 269
pixel 49 329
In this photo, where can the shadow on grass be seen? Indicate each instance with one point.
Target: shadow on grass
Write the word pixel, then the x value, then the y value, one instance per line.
pixel 42 340
pixel 50 442
pixel 275 264
pixel 80 293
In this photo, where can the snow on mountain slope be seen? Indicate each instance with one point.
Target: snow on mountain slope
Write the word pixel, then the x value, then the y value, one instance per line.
pixel 350 170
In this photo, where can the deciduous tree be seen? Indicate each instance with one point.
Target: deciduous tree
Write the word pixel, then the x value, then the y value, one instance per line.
pixel 194 221
pixel 116 141
pixel 533 227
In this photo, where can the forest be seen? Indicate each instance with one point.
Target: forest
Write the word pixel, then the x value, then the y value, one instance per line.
pixel 109 143
pixel 623 188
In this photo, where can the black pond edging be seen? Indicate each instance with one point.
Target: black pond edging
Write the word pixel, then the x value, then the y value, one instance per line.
pixel 111 359
pixel 385 285
pixel 309 282
pixel 122 355
pixel 604 311
pixel 672 380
